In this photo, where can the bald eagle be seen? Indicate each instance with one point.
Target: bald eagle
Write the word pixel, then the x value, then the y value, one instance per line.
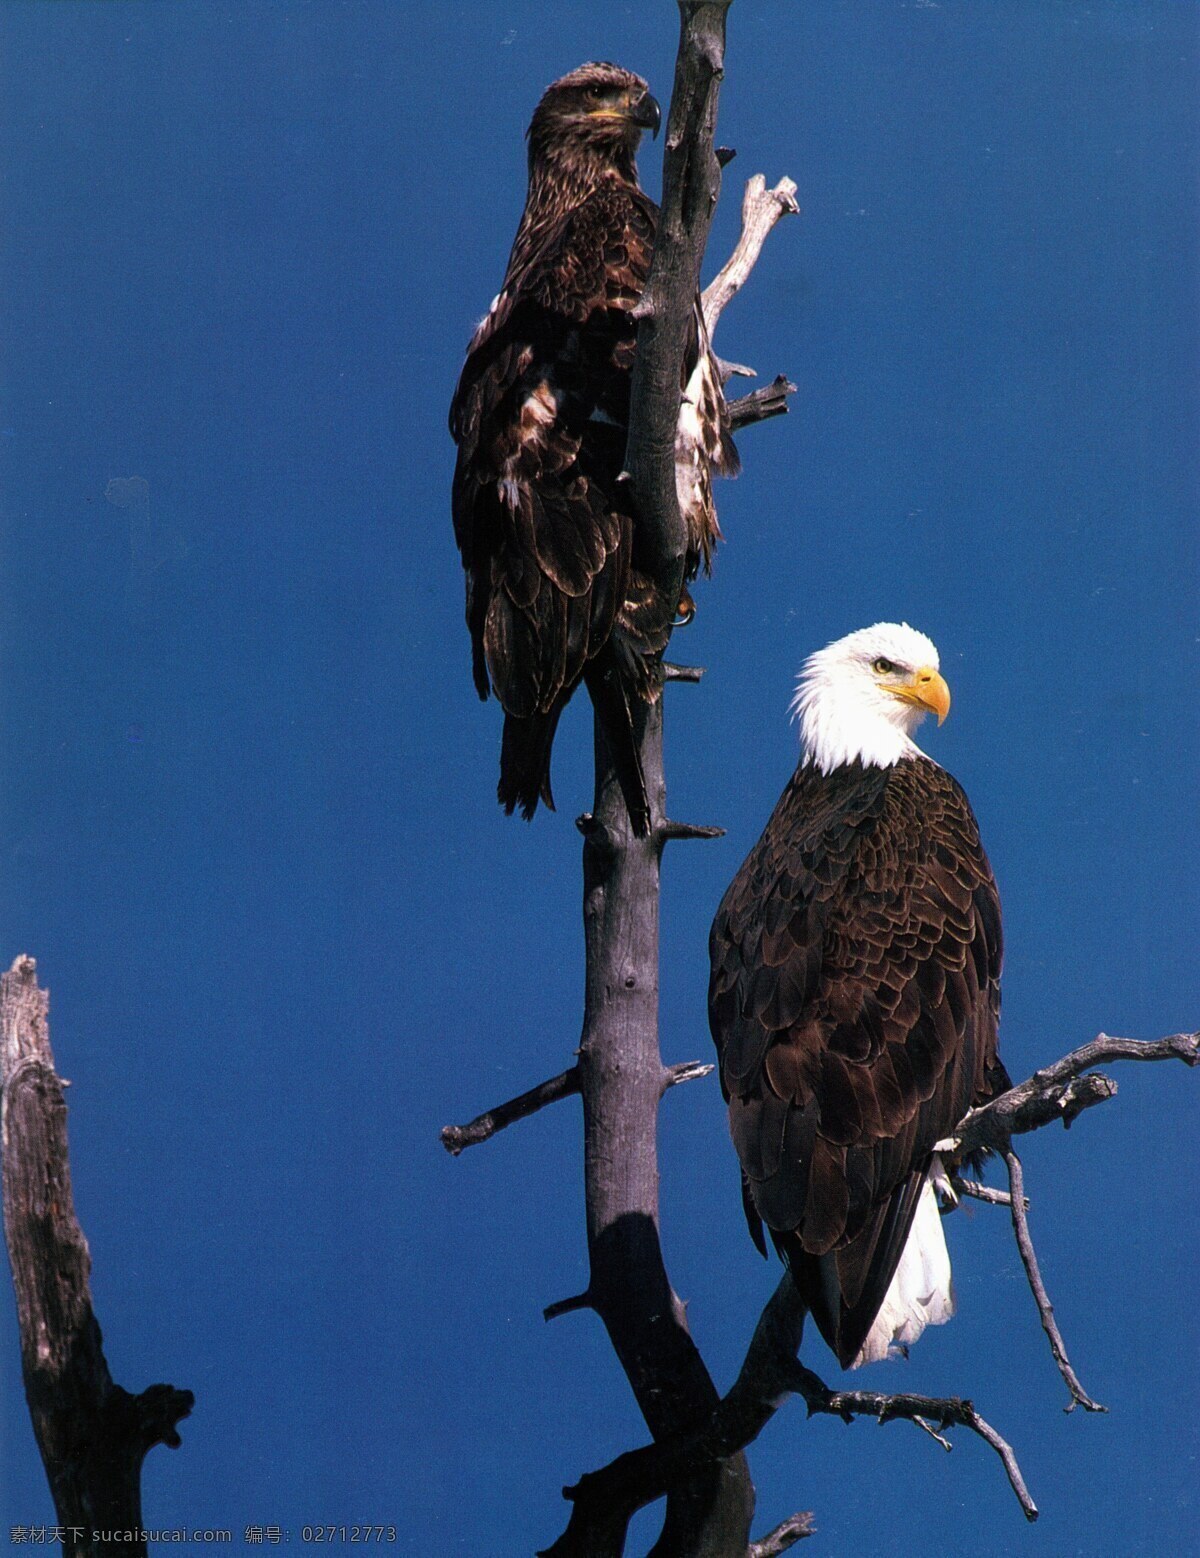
pixel 855 996
pixel 548 539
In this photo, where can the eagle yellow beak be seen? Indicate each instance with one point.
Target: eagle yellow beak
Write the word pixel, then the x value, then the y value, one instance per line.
pixel 644 112
pixel 927 690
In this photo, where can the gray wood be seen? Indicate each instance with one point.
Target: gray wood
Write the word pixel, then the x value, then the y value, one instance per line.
pixel 92 1435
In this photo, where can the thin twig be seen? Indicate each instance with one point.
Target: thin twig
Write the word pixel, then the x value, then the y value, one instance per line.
pixel 686 1071
pixel 731 370
pixel 681 673
pixel 978 1192
pixel 1016 1179
pixel 933 1433
pixel 687 830
pixel 568 1306
pixel 761 209
pixel 945 1411
pixel 770 401
pixel 786 1534
pixel 483 1126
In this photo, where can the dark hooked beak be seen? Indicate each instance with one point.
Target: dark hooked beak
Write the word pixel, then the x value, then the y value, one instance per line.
pixel 646 114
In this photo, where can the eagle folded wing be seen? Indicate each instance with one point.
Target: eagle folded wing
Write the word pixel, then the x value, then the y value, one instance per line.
pixel 539 416
pixel 854 1000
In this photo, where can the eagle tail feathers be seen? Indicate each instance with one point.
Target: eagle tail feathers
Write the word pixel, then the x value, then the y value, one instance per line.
pixel 525 762
pixel 862 1320
pixel 921 1292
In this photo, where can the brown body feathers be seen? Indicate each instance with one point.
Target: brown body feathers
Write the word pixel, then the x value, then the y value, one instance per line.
pixel 548 540
pixel 854 1001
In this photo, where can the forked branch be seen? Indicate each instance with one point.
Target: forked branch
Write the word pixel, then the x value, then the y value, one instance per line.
pixel 1064 1090
pixel 785 1535
pixel 925 1411
pixel 771 1370
pixel 761 209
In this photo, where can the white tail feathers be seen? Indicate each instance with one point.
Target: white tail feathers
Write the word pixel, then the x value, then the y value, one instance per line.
pixel 921 1292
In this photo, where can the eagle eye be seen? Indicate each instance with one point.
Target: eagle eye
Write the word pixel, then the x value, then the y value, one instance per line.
pixel 595 92
pixel 882 666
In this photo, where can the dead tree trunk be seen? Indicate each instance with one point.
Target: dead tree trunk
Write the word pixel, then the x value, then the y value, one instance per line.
pixel 92 1435
pixel 620 1074
pixel 622 1079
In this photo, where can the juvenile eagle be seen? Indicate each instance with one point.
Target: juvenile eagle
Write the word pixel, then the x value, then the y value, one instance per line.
pixel 855 997
pixel 548 539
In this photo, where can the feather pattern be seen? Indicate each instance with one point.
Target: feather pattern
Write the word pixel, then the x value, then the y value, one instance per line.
pixel 854 1001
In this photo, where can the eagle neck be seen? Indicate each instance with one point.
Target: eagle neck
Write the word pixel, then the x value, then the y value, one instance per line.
pixel 561 177
pixel 834 738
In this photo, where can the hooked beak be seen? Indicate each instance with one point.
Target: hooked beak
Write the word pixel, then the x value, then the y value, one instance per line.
pixel 646 114
pixel 927 690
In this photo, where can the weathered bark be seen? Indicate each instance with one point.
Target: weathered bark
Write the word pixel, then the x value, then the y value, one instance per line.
pixel 622 1079
pixel 92 1435
pixel 619 1073
pixel 691 186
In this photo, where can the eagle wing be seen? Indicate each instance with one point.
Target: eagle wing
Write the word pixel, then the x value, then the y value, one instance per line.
pixel 539 417
pixel 854 1001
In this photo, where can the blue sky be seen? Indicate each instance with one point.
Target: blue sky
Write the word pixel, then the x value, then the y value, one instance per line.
pixel 247 789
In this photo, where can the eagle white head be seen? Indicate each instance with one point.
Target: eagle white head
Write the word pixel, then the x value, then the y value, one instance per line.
pixel 861 697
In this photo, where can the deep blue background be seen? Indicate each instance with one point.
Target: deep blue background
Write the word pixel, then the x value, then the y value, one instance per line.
pixel 248 826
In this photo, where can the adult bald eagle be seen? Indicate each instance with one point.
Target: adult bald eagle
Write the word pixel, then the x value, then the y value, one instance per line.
pixel 855 996
pixel 548 540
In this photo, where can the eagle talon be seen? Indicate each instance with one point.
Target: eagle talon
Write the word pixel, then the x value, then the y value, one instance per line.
pixel 685 611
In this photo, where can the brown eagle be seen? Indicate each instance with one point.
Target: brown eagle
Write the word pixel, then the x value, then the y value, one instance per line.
pixel 855 997
pixel 548 538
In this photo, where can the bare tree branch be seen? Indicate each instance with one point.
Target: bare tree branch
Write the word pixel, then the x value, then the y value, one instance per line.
pixel 92 1435
pixel 979 1192
pixel 786 1534
pixel 668 830
pixel 681 673
pixel 484 1126
pixel 1062 1091
pixel 606 1500
pixel 686 1071
pixel 761 209
pixel 568 1306
pixel 946 1411
pixel 770 401
pixel 1018 1204
pixel 455 1138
